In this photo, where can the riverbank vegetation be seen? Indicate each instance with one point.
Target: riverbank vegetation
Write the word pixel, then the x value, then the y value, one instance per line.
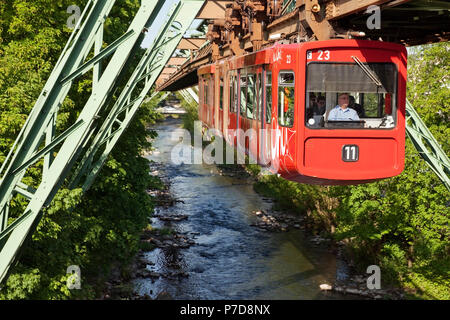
pixel 100 230
pixel 400 224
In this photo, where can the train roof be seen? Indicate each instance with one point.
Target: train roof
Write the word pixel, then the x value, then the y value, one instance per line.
pixel 264 55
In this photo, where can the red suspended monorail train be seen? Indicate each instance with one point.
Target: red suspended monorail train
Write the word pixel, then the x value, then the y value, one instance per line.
pixel 282 100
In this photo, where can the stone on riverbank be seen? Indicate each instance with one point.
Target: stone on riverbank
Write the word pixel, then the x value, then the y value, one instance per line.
pixel 276 222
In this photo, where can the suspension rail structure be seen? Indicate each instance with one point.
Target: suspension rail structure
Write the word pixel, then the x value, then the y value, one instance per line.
pixel 90 136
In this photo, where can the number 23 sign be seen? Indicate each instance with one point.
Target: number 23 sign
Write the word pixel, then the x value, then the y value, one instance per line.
pixel 322 55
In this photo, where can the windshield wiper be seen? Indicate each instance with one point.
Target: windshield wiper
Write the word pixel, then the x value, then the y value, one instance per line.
pixel 368 72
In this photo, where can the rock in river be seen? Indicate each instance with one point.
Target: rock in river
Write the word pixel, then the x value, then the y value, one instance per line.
pixel 325 287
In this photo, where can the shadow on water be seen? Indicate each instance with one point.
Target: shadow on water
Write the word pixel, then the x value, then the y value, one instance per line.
pixel 231 259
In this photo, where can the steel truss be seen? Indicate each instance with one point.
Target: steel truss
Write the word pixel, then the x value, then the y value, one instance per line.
pixel 87 137
pixel 187 96
pixel 426 145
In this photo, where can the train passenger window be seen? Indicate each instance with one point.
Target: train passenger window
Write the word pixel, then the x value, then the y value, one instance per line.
pixel 243 95
pixel 286 96
pixel 251 94
pixel 205 91
pixel 211 90
pixel 259 98
pixel 232 105
pixel 235 94
pixel 353 95
pixel 268 97
pixel 201 91
pixel 221 94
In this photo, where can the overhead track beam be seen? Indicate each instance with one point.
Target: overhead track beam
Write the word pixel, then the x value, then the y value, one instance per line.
pixel 213 10
pixel 191 43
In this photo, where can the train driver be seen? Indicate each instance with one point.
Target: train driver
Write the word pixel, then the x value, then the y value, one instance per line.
pixel 342 112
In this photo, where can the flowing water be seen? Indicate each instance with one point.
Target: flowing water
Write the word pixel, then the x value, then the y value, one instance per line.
pixel 231 259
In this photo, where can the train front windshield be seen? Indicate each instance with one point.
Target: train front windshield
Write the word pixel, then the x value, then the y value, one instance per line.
pixel 351 95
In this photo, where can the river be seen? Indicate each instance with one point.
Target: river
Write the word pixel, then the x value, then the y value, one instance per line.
pixel 230 259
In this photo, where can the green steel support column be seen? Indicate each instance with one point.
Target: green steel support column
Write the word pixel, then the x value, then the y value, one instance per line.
pixel 26 152
pixel 165 45
pixel 122 105
pixel 184 96
pixel 4 216
pixel 426 145
pixel 164 96
pixel 193 94
pixel 155 58
pixel 49 134
pixel 98 65
pixel 87 159
pixel 51 97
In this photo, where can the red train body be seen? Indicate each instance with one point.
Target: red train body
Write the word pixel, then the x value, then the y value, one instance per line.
pixel 286 94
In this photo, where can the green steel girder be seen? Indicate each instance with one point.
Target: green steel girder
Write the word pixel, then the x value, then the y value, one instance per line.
pixel 99 57
pixel 39 127
pixel 427 146
pixel 155 58
pixel 193 94
pixel 41 121
pixel 189 95
pixel 48 148
pixel 186 96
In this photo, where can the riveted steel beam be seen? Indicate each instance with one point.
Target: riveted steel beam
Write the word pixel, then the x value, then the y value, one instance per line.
pixel 186 96
pixel 193 94
pixel 158 53
pixel 99 57
pixel 427 146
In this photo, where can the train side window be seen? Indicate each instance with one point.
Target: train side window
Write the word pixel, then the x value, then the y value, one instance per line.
pixel 251 91
pixel 286 94
pixel 236 93
pixel 231 97
pixel 205 91
pixel 221 94
pixel 259 107
pixel 200 91
pixel 211 89
pixel 268 97
pixel 243 95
